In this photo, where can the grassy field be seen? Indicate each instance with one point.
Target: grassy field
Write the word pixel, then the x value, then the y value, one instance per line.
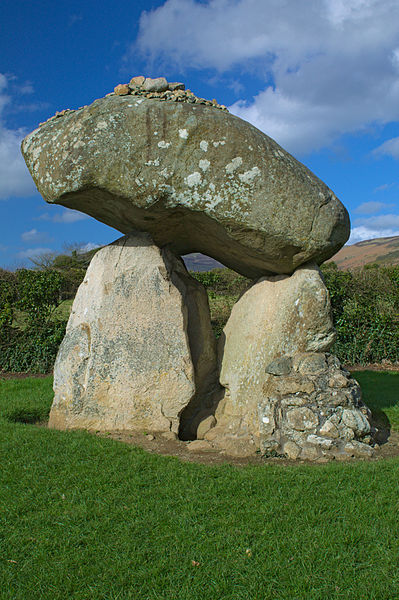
pixel 89 518
pixel 381 394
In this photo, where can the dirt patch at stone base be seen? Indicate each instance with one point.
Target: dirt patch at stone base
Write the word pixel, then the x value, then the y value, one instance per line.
pixel 373 367
pixel 4 375
pixel 179 449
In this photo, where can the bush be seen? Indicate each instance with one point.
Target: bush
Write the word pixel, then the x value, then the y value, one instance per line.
pixel 365 305
pixel 224 287
pixel 29 337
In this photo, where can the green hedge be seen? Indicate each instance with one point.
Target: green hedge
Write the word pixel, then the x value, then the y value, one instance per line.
pixel 29 333
pixel 365 305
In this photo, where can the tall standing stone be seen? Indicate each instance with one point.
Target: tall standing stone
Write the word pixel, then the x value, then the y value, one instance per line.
pixel 284 394
pixel 277 315
pixel 139 348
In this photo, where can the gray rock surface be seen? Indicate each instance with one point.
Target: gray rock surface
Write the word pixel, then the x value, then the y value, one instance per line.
pixel 197 179
pixel 278 315
pixel 205 426
pixel 159 84
pixel 280 385
pixel 318 421
pixel 200 446
pixel 138 349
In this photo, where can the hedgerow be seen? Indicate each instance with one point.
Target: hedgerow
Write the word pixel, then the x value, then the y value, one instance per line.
pixel 29 334
pixel 365 306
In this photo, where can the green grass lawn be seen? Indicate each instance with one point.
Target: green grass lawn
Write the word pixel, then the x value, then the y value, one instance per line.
pixel 84 517
pixel 381 394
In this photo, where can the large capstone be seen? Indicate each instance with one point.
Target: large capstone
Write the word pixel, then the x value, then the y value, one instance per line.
pixel 196 178
pixel 139 353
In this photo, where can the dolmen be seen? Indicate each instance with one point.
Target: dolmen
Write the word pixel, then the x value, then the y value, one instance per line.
pixel 178 174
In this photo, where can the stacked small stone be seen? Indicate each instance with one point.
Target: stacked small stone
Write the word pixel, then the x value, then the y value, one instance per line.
pixel 314 410
pixel 160 89
pixel 157 89
pixel 59 113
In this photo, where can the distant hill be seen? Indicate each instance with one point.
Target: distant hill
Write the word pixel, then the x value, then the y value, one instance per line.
pixel 200 262
pixel 378 250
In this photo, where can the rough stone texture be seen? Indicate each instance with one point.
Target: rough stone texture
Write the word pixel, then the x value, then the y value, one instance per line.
pixel 137 81
pixel 122 89
pixel 329 421
pixel 200 446
pixel 169 435
pixel 176 85
pixel 155 85
pixel 197 179
pixel 323 422
pixel 139 348
pixel 205 426
pixel 273 322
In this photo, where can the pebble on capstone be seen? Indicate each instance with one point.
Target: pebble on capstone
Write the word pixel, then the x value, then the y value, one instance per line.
pixel 122 89
pixel 176 85
pixel 155 85
pixel 137 81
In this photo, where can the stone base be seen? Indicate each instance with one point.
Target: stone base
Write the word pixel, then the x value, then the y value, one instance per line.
pixel 311 410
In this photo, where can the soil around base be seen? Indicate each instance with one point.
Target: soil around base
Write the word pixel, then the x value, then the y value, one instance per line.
pixel 9 375
pixel 388 366
pixel 179 449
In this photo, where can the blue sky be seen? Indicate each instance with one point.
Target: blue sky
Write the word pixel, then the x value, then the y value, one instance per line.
pixel 319 76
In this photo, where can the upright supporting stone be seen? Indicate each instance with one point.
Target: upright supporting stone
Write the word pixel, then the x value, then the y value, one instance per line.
pixel 276 320
pixel 139 348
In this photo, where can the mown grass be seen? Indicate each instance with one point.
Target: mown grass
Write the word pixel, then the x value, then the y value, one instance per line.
pixel 381 394
pixel 89 518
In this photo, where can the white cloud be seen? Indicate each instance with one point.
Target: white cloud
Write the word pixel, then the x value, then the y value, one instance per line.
pixel 358 234
pixel 384 187
pixel 374 227
pixel 328 66
pixel 15 179
pixel 73 19
pixel 26 88
pixel 370 208
pixel 87 247
pixel 32 252
pixel 35 237
pixel 66 216
pixel 390 148
pixel 381 222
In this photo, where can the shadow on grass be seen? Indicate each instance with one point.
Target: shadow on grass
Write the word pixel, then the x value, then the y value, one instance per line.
pixel 28 416
pixel 381 395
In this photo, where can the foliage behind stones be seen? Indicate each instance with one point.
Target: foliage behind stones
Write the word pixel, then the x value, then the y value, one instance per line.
pixel 365 305
pixel 29 333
